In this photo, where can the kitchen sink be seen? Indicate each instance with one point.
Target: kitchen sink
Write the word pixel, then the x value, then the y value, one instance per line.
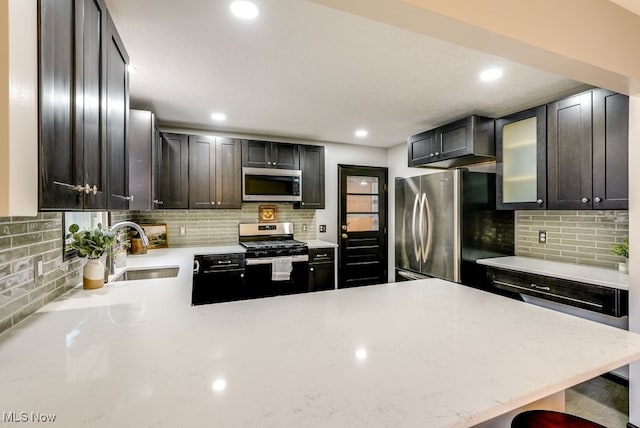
pixel 147 273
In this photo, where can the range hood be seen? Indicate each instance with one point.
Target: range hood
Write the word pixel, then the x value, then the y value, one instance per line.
pixel 466 141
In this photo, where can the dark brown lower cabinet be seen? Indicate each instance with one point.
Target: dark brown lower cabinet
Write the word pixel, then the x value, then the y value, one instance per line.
pixel 604 300
pixel 321 269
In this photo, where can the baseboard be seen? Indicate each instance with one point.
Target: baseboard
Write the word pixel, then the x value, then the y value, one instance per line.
pixel 630 425
pixel 617 379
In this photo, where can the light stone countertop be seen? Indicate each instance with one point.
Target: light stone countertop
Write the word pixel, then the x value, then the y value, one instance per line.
pixel 580 273
pixel 420 353
pixel 316 243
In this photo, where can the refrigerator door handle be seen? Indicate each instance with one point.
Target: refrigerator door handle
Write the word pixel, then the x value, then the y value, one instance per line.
pixel 426 247
pixel 416 249
pixel 423 245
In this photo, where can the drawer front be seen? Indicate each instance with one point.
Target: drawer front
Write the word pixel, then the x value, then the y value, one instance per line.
pixel 215 262
pixel 321 255
pixel 609 301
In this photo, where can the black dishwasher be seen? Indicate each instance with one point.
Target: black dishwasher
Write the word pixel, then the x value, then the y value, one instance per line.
pixel 218 278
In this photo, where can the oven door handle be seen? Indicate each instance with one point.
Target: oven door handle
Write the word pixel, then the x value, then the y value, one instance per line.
pixel 269 260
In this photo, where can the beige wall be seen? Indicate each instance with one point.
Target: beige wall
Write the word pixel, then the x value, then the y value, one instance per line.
pixel 18 108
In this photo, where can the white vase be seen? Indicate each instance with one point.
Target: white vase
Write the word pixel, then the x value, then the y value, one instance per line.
pixel 93 274
pixel 622 267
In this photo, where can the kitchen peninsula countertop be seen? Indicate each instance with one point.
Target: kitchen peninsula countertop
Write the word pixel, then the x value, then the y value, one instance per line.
pixel 419 353
pixel 572 272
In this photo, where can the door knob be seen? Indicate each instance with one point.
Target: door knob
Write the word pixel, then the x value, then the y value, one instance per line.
pixel 584 200
pixel 539 201
pixel 597 199
pixel 345 236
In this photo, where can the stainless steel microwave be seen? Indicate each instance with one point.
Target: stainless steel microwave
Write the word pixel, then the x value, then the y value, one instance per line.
pixel 271 184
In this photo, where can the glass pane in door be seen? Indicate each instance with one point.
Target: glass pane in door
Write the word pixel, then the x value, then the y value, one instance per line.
pixel 363 223
pixel 520 161
pixel 360 184
pixel 362 203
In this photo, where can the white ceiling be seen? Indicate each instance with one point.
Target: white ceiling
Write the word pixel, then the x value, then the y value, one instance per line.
pixel 305 71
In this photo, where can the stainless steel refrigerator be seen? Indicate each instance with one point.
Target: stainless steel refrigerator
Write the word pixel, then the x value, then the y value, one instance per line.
pixel 445 221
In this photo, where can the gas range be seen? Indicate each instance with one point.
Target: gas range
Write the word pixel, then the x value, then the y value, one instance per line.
pixel 270 240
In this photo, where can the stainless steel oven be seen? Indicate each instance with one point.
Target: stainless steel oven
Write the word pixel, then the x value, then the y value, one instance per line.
pixel 275 263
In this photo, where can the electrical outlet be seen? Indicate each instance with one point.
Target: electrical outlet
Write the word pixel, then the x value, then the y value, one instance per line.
pixel 542 236
pixel 304 227
pixel 183 231
pixel 323 228
pixel 38 269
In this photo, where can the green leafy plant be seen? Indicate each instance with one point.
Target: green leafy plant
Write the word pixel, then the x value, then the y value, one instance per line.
pixel 91 243
pixel 621 249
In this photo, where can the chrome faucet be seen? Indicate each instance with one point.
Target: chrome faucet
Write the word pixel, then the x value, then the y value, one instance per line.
pixel 110 268
pixel 136 226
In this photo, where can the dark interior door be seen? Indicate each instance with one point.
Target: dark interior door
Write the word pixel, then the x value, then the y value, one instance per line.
pixel 362 217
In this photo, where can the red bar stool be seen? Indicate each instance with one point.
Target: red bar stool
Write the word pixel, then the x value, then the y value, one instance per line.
pixel 550 419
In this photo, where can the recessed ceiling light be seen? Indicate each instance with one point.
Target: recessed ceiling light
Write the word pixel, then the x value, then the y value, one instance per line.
pixel 219 116
pixel 491 74
pixel 361 354
pixel 361 133
pixel 244 9
pixel 219 385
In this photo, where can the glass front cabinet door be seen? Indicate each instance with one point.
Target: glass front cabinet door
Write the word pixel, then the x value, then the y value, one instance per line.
pixel 521 147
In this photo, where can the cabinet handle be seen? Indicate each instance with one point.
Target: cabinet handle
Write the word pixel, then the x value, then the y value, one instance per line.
pixel 539 202
pixel 224 262
pixel 302 203
pixel 93 190
pixel 431 155
pixel 76 187
pixel 537 287
pixel 597 199
pixel 311 269
pixel 274 163
pixel 126 198
pixel 268 163
pixel 584 200
pixel 241 275
pixel 571 299
pixel 196 266
pixel 437 153
pixel 155 201
pixel 218 202
pixel 213 203
pixel 321 255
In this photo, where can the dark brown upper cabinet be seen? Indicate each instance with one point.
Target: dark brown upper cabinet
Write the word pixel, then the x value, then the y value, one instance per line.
pixel 312 166
pixel 143 164
pixel 267 154
pixel 587 151
pixel 214 173
pixel 610 150
pixel 422 148
pixel 174 163
pixel 463 142
pixel 117 121
pixel 81 108
pixel 72 96
pixel 521 160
